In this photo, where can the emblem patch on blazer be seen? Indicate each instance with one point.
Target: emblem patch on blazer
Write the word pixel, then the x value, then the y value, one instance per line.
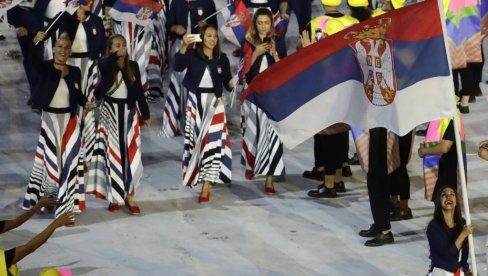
pixel 219 70
pixel 94 31
pixel 200 11
pixel 77 86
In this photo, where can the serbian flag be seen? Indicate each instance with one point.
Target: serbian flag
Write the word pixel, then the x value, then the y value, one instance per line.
pixel 140 12
pixel 390 71
pixel 280 24
pixel 237 21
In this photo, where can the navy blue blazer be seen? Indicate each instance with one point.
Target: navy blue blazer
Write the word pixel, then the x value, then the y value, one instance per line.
pixel 95 33
pixel 30 18
pixel 196 65
pixel 443 251
pixel 48 82
pixel 199 10
pixel 135 93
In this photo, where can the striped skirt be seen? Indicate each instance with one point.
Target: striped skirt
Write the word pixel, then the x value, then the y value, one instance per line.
pixel 54 173
pixel 262 150
pixel 176 101
pixel 207 153
pixel 89 80
pixel 116 167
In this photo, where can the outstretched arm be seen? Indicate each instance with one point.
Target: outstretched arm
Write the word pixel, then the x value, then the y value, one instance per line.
pixel 41 238
pixel 14 223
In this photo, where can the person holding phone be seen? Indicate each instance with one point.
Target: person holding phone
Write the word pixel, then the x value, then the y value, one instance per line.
pixel 183 17
pixel 207 157
pixel 262 150
pixel 116 167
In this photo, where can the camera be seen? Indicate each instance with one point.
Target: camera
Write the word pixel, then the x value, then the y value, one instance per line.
pixel 318 34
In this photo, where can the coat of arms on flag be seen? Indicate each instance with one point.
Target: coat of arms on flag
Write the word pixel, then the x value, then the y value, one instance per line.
pixel 374 54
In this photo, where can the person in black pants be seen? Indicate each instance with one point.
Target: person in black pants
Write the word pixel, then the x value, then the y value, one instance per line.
pixel 378 190
pixel 303 12
pixel 400 182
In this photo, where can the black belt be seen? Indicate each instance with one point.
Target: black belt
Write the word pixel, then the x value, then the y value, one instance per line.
pixel 116 100
pixel 57 110
pixel 205 90
pixel 79 55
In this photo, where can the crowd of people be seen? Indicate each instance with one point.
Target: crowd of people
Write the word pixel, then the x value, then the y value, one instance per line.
pixel 92 93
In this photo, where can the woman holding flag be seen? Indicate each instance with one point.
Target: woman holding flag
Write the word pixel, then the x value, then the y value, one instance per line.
pixel 116 168
pixel 207 156
pixel 447 234
pixel 262 150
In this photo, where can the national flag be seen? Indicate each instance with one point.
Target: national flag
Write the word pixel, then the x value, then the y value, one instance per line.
pixel 463 25
pixel 390 71
pixel 140 12
pixel 237 21
pixel 280 25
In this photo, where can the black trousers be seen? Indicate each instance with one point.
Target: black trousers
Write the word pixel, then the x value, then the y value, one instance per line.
pixel 378 179
pixel 400 181
pixel 303 12
pixel 468 80
pixel 330 151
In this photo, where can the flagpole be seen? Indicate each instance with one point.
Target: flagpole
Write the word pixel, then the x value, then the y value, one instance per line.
pixel 459 152
pixel 213 14
pixel 464 190
pixel 52 24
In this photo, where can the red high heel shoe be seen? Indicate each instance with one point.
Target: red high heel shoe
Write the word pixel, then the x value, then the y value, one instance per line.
pixel 203 199
pixel 269 190
pixel 113 207
pixel 133 209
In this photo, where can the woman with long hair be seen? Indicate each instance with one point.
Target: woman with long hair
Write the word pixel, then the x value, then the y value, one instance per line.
pixel 262 150
pixel 185 17
pixel 207 157
pixel 447 233
pixel 58 94
pixel 116 167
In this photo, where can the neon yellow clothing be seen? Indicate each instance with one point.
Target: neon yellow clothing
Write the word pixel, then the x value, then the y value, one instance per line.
pixel 11 271
pixel 322 21
pixel 377 12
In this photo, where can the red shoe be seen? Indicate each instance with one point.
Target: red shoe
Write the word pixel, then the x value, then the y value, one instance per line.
pixel 113 207
pixel 269 190
pixel 203 199
pixel 133 209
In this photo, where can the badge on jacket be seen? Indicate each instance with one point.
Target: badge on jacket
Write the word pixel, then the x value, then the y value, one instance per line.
pixel 200 11
pixel 94 31
pixel 76 86
pixel 219 70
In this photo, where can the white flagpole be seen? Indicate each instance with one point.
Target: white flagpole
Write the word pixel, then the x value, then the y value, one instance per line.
pixel 464 190
pixel 213 14
pixel 459 152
